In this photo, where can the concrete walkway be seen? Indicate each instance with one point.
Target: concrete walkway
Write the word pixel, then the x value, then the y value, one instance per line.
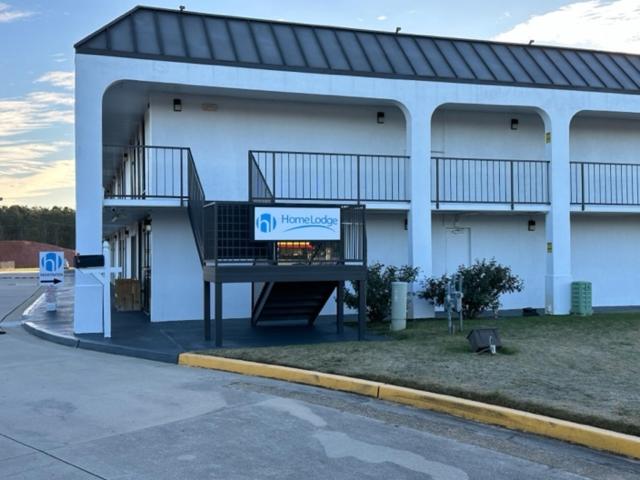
pixel 77 414
pixel 134 335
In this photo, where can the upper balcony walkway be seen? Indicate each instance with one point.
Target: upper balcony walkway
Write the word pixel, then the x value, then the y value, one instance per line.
pixel 328 177
pixel 159 176
pixel 147 175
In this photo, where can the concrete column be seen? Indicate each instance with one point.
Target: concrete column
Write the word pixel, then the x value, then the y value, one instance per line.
pixel 558 220
pixel 89 195
pixel 419 217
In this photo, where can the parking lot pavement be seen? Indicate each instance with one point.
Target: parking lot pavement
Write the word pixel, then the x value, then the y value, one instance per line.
pixel 76 414
pixel 15 288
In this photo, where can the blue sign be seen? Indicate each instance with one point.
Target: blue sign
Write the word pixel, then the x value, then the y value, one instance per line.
pixel 297 223
pixel 51 267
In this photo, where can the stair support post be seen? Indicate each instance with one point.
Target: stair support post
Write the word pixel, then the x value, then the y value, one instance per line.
pixel 340 308
pixel 218 316
pixel 207 311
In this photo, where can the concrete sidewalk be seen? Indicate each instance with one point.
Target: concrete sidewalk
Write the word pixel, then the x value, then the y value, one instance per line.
pixel 76 414
pixel 134 335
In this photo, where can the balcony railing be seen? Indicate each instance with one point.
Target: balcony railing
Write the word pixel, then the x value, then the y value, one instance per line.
pixel 146 172
pixel 490 181
pixel 302 176
pixel 597 183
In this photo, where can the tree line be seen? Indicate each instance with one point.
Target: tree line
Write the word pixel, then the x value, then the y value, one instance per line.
pixel 56 225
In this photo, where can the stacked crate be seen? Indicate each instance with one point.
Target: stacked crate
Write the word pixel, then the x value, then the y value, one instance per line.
pixel 581 298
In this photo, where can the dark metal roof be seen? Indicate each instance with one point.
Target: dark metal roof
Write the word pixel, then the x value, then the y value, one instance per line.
pixel 171 35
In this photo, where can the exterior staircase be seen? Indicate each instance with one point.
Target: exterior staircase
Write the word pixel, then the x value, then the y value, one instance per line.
pixel 291 301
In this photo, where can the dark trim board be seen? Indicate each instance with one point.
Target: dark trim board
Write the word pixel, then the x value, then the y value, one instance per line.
pixel 283 273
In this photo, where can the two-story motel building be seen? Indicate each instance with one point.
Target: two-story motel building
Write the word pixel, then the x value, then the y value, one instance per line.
pixel 457 150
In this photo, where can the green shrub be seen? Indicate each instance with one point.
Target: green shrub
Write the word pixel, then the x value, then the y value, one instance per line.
pixel 482 284
pixel 379 280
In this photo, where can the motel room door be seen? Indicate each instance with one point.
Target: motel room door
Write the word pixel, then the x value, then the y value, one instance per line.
pixel 457 248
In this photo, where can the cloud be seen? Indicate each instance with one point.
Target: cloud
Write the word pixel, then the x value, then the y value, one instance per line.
pixel 598 24
pixel 9 14
pixel 19 159
pixel 381 17
pixel 35 111
pixel 51 185
pixel 58 79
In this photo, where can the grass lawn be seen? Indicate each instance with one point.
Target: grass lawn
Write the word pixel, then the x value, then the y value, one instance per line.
pixel 585 369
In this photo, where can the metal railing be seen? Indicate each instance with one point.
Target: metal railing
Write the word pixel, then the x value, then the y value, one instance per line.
pixel 599 183
pixel 490 181
pixel 338 177
pixel 147 171
pixel 228 239
pixel 195 206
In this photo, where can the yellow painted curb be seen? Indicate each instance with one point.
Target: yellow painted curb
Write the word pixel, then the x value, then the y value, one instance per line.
pixel 585 435
pixel 296 375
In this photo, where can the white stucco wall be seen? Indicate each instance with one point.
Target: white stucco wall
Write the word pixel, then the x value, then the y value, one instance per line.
pixel 176 274
pixel 503 237
pixel 220 139
pixel 602 139
pixel 418 100
pixel 478 134
pixel 604 251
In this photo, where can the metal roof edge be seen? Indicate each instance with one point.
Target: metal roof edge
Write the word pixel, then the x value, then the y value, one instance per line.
pixel 345 28
pixel 104 28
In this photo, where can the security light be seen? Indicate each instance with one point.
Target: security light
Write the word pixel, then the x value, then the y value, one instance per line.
pixel 514 123
pixel 177 105
pixel 380 117
pixel 531 226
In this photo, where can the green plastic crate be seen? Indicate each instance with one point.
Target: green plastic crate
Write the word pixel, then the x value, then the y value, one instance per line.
pixel 581 299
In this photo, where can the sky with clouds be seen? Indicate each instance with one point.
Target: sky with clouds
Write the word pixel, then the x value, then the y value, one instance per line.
pixel 36 58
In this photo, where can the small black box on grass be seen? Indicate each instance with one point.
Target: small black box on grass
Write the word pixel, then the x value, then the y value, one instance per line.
pixel 482 338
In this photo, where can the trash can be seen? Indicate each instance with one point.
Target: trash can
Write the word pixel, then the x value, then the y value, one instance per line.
pixel 398 306
pixel 581 299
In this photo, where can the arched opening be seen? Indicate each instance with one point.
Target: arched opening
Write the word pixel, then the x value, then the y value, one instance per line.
pixel 490 193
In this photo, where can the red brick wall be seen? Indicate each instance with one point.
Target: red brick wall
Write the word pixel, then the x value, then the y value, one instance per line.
pixel 25 254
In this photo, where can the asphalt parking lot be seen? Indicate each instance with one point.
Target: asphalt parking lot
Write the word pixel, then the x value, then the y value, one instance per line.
pixel 76 414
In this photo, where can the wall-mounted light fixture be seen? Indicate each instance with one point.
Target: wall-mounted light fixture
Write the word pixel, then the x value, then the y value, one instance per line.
pixel 515 123
pixel 380 117
pixel 406 223
pixel 531 226
pixel 177 105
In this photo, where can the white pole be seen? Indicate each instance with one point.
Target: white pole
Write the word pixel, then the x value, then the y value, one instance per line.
pixel 398 305
pixel 106 290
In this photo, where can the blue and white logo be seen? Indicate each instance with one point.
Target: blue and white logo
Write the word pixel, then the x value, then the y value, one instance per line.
pixel 51 262
pixel 297 223
pixel 266 223
pixel 51 268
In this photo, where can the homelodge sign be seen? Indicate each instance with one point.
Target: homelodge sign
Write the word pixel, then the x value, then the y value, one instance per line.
pixel 296 223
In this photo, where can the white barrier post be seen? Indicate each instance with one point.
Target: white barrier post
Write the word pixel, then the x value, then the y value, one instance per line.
pixel 398 306
pixel 106 290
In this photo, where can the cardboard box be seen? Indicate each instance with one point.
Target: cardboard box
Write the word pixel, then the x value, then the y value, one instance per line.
pixel 127 295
